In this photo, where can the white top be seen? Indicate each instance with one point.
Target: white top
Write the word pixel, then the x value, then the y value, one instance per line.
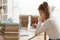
pixel 50 27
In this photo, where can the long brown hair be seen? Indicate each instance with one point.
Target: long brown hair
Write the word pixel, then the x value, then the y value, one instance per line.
pixel 45 8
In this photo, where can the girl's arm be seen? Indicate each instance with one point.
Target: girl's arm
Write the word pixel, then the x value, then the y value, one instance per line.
pixel 42 27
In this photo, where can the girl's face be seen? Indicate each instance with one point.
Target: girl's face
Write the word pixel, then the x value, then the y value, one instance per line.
pixel 42 14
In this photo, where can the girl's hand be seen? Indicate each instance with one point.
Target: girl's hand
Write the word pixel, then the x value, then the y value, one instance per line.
pixel 41 19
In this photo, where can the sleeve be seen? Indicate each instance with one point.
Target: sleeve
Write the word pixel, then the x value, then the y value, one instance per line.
pixel 38 26
pixel 41 28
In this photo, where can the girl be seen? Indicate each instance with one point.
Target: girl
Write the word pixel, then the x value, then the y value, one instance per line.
pixel 49 24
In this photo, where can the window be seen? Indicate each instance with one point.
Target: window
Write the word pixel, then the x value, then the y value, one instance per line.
pixel 3 8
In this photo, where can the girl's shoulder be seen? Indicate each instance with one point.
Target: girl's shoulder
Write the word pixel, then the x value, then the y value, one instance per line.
pixel 50 20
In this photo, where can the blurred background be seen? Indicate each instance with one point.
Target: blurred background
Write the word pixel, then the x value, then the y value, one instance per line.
pixel 19 18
